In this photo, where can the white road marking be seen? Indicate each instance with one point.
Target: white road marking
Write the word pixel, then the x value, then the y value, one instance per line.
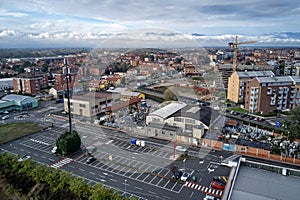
pixel 138 188
pixel 81 169
pixel 152 192
pixel 191 195
pixel 114 180
pixel 92 173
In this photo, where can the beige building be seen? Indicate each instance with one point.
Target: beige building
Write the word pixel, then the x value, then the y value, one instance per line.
pixel 237 83
pixel 189 121
pixel 91 104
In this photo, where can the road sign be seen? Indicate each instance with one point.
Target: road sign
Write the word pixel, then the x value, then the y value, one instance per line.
pixel 278 124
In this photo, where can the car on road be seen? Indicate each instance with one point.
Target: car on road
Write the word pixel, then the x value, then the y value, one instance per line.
pixel 217 185
pixel 90 160
pixel 6 112
pixel 5 117
pixel 210 197
pixel 221 179
pixel 25 157
pixel 185 176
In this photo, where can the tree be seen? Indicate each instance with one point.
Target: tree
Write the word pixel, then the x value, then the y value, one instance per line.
pixel 123 66
pixel 68 143
pixel 45 68
pixel 169 95
pixel 292 124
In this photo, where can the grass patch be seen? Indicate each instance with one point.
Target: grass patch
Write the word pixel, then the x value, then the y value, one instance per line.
pixel 12 131
pixel 237 109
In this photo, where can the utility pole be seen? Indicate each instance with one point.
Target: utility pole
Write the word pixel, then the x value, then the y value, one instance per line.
pixel 67 72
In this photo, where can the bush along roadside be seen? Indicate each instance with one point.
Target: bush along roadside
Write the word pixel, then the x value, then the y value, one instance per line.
pixel 36 181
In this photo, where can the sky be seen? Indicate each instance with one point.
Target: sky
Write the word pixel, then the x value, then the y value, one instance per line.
pixel 29 23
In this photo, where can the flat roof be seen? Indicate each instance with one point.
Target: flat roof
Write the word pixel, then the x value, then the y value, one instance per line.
pixel 248 74
pixel 275 79
pixel 258 184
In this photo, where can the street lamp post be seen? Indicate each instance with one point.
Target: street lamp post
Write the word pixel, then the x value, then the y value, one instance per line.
pixel 67 70
pixel 125 186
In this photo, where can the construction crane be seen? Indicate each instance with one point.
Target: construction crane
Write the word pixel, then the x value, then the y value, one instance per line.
pixel 235 45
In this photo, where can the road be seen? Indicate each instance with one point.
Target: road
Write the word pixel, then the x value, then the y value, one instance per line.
pixel 144 172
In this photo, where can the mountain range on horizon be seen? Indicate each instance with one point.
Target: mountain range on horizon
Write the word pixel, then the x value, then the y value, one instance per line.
pixel 10 38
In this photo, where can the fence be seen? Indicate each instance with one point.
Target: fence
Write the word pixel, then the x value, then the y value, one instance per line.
pixel 250 151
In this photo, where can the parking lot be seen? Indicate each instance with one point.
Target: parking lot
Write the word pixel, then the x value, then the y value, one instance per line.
pixel 142 165
pixel 124 163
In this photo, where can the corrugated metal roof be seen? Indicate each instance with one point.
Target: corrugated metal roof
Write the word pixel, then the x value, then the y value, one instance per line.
pixel 169 109
pixel 14 97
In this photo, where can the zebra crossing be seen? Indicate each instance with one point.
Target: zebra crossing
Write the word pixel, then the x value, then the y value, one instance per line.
pixel 202 188
pixel 61 163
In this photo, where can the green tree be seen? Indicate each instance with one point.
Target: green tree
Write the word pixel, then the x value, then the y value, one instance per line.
pixel 80 188
pixel 123 66
pixel 292 124
pixel 68 143
pixel 45 68
pixel 169 95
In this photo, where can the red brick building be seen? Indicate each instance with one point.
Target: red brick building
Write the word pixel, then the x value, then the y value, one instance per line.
pixel 31 84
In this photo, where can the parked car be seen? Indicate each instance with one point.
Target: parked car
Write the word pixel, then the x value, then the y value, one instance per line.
pixel 177 175
pixel 217 185
pixel 5 117
pixel 25 157
pixel 210 197
pixel 90 160
pixel 54 150
pixel 185 176
pixel 221 179
pixel 6 112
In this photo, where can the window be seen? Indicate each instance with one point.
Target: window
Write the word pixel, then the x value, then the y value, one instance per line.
pixel 82 105
pixel 190 121
pixel 178 119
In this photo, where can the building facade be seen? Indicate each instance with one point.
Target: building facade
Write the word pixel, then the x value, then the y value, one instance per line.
pixel 91 104
pixel 31 85
pixel 271 94
pixel 238 81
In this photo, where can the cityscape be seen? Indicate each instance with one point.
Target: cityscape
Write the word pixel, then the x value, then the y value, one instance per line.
pixel 143 113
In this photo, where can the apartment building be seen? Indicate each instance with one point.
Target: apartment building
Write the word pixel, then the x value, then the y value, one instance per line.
pixel 91 104
pixel 271 94
pixel 238 81
pixel 296 84
pixel 30 84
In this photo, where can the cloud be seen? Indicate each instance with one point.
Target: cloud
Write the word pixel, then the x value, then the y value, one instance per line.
pixel 6 13
pixel 93 20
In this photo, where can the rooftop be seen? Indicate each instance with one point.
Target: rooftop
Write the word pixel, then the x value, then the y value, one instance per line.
pixel 253 183
pixel 275 79
pixel 203 114
pixel 14 97
pixel 169 109
pixel 249 74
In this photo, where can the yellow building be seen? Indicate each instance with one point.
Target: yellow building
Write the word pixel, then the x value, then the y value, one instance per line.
pixel 238 81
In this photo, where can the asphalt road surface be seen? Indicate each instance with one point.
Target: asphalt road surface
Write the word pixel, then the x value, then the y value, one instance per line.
pixel 144 172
